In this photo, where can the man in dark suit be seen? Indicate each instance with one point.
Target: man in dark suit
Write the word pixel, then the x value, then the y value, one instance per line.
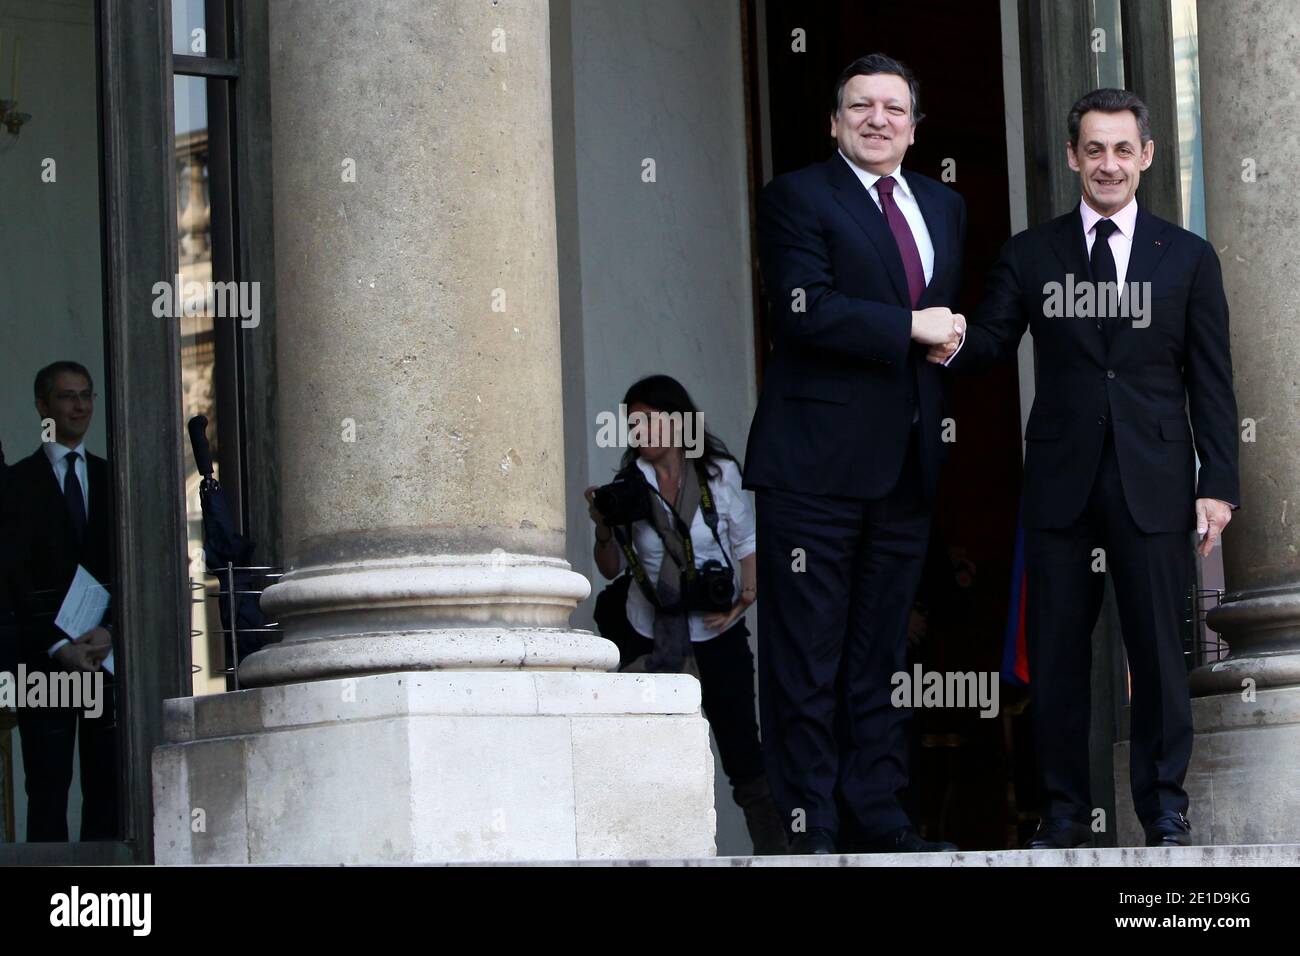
pixel 1109 458
pixel 861 264
pixel 56 516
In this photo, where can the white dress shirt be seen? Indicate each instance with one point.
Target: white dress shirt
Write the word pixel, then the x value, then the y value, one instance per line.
pixel 57 455
pixel 735 528
pixel 906 202
pixel 1121 240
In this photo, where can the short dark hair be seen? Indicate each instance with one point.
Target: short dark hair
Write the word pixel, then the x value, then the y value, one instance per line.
pixel 875 63
pixel 1109 100
pixel 45 377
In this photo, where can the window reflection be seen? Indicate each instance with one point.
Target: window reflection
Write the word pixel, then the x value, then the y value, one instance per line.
pixel 1187 86
pixel 59 740
pixel 1187 93
pixel 198 362
pixel 190 28
pixel 1108 45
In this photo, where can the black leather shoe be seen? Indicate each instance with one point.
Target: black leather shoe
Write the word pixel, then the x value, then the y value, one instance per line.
pixel 907 840
pixel 1054 833
pixel 814 841
pixel 1170 829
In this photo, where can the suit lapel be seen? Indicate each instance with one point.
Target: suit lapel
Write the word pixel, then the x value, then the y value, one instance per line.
pixel 97 520
pixel 48 482
pixel 1149 244
pixel 859 204
pixel 1071 249
pixel 47 486
pixel 936 224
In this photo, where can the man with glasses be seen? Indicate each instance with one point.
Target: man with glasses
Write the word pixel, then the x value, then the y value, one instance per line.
pixel 55 517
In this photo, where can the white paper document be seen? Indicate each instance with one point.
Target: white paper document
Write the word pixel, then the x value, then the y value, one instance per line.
pixel 84 606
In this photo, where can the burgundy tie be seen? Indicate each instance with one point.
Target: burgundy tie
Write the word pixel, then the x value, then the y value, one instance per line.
pixel 903 237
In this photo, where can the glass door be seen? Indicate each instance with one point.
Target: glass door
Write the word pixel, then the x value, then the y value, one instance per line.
pixel 60 673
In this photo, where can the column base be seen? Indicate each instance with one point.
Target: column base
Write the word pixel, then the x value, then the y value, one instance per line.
pixel 1229 675
pixel 450 648
pixel 1244 778
pixel 1262 628
pixel 426 612
pixel 435 766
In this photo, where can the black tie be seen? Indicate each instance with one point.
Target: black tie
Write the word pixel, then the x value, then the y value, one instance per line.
pixel 1104 270
pixel 73 496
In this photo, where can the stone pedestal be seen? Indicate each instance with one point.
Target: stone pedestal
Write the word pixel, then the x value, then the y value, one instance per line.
pixel 1244 775
pixel 437 766
pixel 1250 109
pixel 429 700
pixel 1243 779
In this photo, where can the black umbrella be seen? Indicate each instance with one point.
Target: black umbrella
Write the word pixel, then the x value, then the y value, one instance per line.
pixel 229 556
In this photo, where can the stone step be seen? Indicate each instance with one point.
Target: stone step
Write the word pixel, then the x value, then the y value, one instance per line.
pixel 1183 856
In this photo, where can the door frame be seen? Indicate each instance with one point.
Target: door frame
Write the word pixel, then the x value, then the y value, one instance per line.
pixel 142 371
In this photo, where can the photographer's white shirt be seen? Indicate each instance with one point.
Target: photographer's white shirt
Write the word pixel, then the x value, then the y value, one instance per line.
pixel 735 528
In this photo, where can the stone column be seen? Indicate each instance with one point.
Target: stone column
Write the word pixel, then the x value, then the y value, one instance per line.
pixel 1250 122
pixel 1244 780
pixel 421 443
pixel 429 700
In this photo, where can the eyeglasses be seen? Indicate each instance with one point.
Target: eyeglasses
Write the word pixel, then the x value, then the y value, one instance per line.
pixel 73 396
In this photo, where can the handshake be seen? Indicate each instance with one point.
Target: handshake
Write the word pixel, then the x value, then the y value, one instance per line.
pixel 941 329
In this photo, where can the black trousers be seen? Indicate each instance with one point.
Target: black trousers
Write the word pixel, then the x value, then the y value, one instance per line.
pixel 48 737
pixel 1151 574
pixel 837 578
pixel 727 698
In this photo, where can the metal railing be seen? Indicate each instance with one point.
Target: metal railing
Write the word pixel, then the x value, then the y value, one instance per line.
pixel 227 591
pixel 1205 645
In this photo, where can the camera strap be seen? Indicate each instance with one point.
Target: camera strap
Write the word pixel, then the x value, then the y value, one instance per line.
pixel 623 534
pixel 709 511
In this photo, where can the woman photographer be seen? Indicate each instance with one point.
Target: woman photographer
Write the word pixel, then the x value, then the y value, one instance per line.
pixel 688 607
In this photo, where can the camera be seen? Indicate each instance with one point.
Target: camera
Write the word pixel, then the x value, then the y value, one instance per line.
pixel 623 501
pixel 713 589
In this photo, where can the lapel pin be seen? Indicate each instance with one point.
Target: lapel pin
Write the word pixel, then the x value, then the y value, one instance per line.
pixel 1157 242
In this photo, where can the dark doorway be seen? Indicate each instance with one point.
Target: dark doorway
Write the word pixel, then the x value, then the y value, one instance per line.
pixel 963 773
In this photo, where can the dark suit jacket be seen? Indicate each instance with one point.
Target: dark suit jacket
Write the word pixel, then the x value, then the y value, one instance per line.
pixel 43 549
pixel 840 385
pixel 1143 387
